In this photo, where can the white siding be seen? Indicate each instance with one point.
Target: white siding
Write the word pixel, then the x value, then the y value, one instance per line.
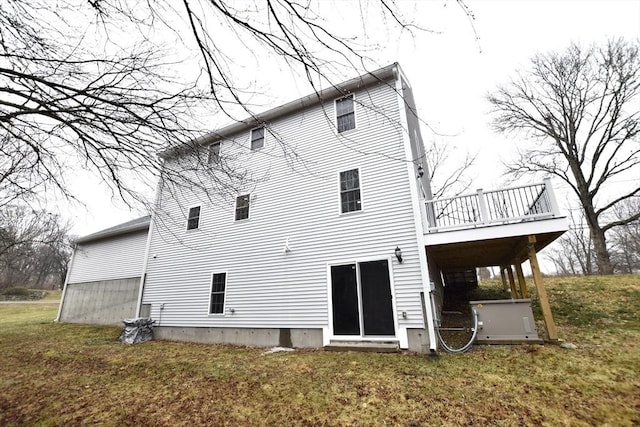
pixel 296 197
pixel 118 257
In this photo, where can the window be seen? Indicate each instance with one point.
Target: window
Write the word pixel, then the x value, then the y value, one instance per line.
pixel 350 191
pixel 257 138
pixel 242 207
pixel 214 153
pixel 218 284
pixel 345 114
pixel 194 218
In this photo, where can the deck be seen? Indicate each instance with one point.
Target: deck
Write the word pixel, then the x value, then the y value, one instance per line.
pixel 493 227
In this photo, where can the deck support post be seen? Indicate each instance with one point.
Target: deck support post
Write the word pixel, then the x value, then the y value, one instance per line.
pixel 503 277
pixel 512 283
pixel 542 293
pixel 524 293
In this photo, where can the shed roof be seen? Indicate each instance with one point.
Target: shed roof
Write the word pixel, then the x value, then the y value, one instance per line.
pixel 138 224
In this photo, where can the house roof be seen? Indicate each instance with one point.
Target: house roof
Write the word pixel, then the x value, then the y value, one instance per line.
pixel 330 93
pixel 138 224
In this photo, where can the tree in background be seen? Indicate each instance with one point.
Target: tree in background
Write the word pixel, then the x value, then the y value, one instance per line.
pixel 105 85
pixel 449 177
pixel 625 239
pixel 34 249
pixel 580 109
pixel 573 253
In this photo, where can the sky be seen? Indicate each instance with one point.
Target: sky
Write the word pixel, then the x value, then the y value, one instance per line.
pixel 451 71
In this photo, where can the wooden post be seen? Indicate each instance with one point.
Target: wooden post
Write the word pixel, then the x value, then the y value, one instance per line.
pixel 524 293
pixel 504 278
pixel 542 293
pixel 512 283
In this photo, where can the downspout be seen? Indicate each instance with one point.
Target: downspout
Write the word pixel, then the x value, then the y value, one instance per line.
pixel 145 263
pixel 143 274
pixel 66 280
pixel 417 215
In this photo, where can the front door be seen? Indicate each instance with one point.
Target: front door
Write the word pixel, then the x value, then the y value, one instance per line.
pixel 361 297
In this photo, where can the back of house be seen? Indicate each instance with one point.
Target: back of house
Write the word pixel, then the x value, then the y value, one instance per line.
pixel 316 242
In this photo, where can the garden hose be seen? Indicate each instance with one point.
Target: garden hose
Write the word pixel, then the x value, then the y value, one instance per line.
pixel 465 347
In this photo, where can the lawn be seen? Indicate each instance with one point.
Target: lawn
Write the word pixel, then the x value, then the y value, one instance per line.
pixel 62 374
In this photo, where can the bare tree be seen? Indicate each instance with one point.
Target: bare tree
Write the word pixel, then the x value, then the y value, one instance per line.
pixel 449 177
pixel 96 85
pixel 573 253
pixel 34 249
pixel 625 239
pixel 580 107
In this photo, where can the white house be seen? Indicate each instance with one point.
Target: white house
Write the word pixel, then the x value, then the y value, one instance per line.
pixel 333 238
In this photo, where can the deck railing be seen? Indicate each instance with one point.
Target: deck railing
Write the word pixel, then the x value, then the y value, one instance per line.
pixel 504 206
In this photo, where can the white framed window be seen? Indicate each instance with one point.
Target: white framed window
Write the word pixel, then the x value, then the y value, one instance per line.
pixel 350 197
pixel 242 207
pixel 345 114
pixel 214 153
pixel 217 293
pixel 257 138
pixel 193 220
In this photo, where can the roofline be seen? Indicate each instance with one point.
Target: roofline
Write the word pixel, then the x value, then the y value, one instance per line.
pixel 115 231
pixel 389 72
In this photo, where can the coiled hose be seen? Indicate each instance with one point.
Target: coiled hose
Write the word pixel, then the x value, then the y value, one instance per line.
pixel 465 347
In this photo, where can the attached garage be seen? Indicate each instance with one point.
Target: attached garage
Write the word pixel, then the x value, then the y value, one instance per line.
pixel 103 282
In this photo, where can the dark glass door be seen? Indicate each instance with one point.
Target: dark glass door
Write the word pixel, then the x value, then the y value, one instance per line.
pixel 377 307
pixel 344 292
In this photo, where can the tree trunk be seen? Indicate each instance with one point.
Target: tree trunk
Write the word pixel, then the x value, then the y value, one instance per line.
pixel 603 260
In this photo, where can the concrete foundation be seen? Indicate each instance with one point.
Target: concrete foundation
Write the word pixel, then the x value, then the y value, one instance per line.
pixel 104 302
pixel 418 340
pixel 258 337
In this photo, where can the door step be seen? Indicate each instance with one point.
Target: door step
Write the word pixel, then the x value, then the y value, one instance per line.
pixel 364 346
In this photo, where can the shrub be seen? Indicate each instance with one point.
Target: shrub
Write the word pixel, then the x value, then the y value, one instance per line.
pixel 19 292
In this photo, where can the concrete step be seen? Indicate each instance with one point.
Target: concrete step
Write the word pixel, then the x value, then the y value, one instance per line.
pixel 363 346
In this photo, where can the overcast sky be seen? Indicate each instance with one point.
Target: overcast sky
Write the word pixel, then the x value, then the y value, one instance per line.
pixel 450 73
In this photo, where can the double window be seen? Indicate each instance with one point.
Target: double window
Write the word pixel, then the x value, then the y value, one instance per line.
pixel 193 220
pixel 218 286
pixel 257 138
pixel 345 114
pixel 350 191
pixel 242 207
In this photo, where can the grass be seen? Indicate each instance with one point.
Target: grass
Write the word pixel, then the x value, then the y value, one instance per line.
pixel 62 374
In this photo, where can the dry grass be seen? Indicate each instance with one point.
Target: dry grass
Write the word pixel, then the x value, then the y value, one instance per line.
pixel 59 374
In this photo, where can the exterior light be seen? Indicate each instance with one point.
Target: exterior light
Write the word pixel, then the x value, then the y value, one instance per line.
pixel 420 171
pixel 398 253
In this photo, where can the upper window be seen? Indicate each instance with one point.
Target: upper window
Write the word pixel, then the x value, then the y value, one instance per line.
pixel 350 191
pixel 218 285
pixel 214 153
pixel 257 138
pixel 242 207
pixel 345 114
pixel 194 218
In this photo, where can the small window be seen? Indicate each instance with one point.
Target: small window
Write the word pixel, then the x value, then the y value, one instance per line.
pixel 242 207
pixel 194 218
pixel 345 114
pixel 350 191
pixel 214 153
pixel 218 285
pixel 257 138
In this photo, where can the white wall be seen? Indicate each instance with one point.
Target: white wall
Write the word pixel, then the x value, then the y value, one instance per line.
pixel 295 197
pixel 118 257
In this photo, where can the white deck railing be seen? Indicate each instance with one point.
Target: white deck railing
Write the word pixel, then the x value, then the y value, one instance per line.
pixel 483 208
